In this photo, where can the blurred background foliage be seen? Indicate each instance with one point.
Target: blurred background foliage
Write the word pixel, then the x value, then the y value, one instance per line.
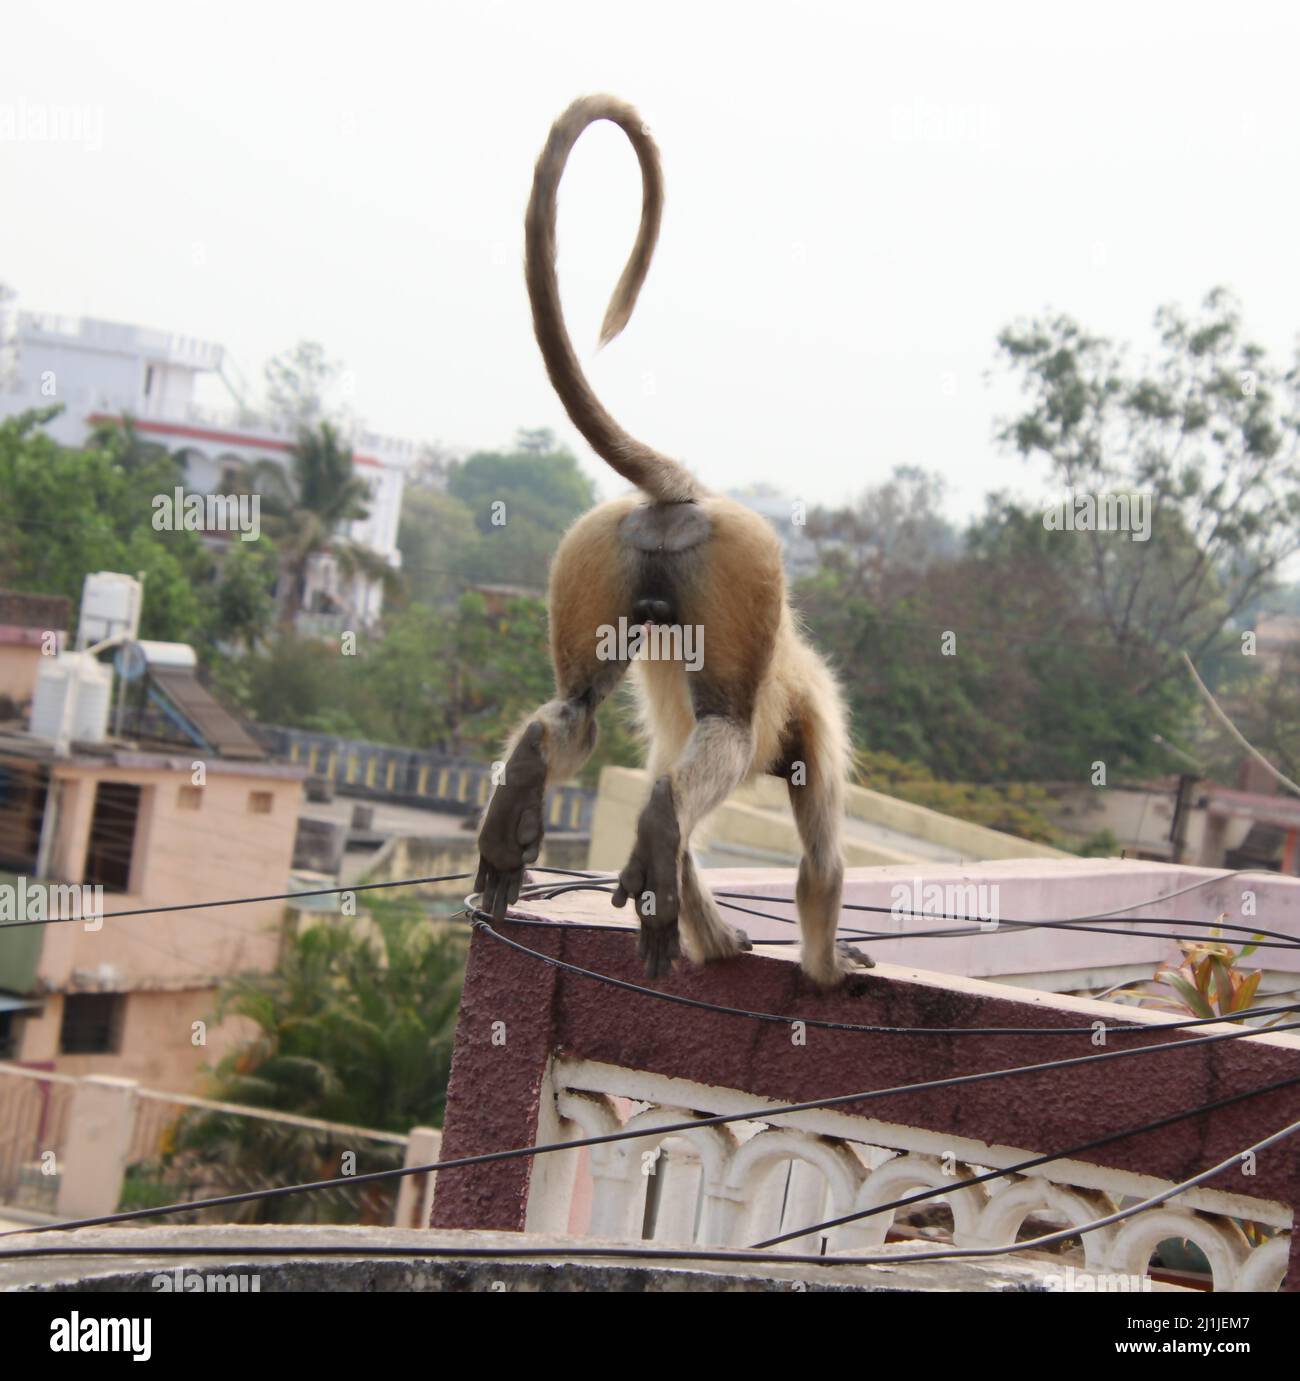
pixel 978 661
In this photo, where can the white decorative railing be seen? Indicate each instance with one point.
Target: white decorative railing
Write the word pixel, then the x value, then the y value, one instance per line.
pixel 741 1183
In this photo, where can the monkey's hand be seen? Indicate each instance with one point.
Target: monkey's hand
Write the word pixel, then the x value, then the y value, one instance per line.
pixel 652 878
pixel 510 837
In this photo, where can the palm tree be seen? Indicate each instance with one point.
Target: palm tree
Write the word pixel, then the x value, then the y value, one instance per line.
pixel 355 1027
pixel 305 508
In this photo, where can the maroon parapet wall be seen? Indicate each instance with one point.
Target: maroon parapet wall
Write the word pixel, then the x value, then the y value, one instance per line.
pixel 497 1072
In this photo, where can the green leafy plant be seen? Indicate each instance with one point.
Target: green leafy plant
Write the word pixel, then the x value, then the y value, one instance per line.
pixel 1207 983
pixel 355 1027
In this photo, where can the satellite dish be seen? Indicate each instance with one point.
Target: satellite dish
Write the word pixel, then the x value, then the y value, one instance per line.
pixel 129 662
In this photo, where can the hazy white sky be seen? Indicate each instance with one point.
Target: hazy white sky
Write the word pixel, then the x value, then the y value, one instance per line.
pixel 858 197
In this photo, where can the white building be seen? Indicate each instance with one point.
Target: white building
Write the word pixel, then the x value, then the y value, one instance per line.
pixel 104 370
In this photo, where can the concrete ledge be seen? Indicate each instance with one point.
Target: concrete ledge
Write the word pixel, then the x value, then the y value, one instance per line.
pixel 1025 889
pixel 220 1253
pixel 947 831
pixel 879 829
pixel 1050 1103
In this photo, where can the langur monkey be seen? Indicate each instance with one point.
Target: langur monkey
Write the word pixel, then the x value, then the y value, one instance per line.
pixel 761 701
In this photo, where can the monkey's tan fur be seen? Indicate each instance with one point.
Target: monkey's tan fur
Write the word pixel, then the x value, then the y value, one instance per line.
pixel 763 701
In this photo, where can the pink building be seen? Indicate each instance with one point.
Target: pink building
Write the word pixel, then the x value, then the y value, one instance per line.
pixel 119 825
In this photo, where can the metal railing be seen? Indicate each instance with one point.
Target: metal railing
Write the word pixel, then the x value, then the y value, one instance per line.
pixel 412 776
pixel 152 1147
pixel 35 1107
pixel 184 1148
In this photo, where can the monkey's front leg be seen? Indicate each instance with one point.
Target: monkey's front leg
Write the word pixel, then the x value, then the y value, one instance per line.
pixel 550 749
pixel 652 878
pixel 510 837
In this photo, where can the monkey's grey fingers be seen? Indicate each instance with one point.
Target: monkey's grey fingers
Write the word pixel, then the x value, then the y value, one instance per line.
pixel 631 883
pixel 855 956
pixel 490 889
pixel 480 881
pixel 742 939
pixel 483 886
pixel 657 948
pixel 501 894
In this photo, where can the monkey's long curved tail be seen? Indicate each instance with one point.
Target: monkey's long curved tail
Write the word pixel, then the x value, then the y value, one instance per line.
pixel 664 480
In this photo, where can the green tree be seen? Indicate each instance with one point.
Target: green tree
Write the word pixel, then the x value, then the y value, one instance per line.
pixel 120 438
pixel 356 1027
pixel 455 680
pixel 986 666
pixel 65 513
pixel 521 502
pixel 306 506
pixel 301 682
pixel 299 383
pixel 241 603
pixel 441 546
pixel 883 544
pixel 1016 808
pixel 1209 432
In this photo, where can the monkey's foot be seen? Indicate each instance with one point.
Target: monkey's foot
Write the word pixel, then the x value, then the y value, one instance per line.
pixel 853 958
pixel 652 880
pixel 510 837
pixel 832 967
pixel 722 941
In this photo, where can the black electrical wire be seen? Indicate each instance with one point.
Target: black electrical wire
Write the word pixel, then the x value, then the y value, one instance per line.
pixel 483 921
pixel 722 1119
pixel 1283 940
pixel 600 885
pixel 978 926
pixel 750 1257
pixel 243 901
pixel 695 1123
pixel 1095 916
pixel 943 1190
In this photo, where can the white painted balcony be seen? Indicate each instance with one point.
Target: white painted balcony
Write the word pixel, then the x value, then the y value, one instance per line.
pixel 584 1058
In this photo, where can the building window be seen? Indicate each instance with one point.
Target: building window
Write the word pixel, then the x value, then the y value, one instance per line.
pixel 113 828
pixel 189 797
pixel 23 788
pixel 92 1023
pixel 260 802
pixel 148 380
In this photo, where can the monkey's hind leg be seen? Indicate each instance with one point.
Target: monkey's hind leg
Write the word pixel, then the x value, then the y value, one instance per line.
pixel 816 788
pixel 659 876
pixel 707 936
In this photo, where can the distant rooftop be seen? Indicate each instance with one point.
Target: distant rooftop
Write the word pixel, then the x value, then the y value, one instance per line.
pixel 122 337
pixel 18 610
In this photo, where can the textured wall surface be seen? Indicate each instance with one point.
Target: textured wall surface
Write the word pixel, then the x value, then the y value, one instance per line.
pixel 498 1070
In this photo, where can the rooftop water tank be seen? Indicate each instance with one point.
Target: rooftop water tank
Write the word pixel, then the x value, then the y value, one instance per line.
pixel 110 608
pixel 72 698
pixel 180 655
